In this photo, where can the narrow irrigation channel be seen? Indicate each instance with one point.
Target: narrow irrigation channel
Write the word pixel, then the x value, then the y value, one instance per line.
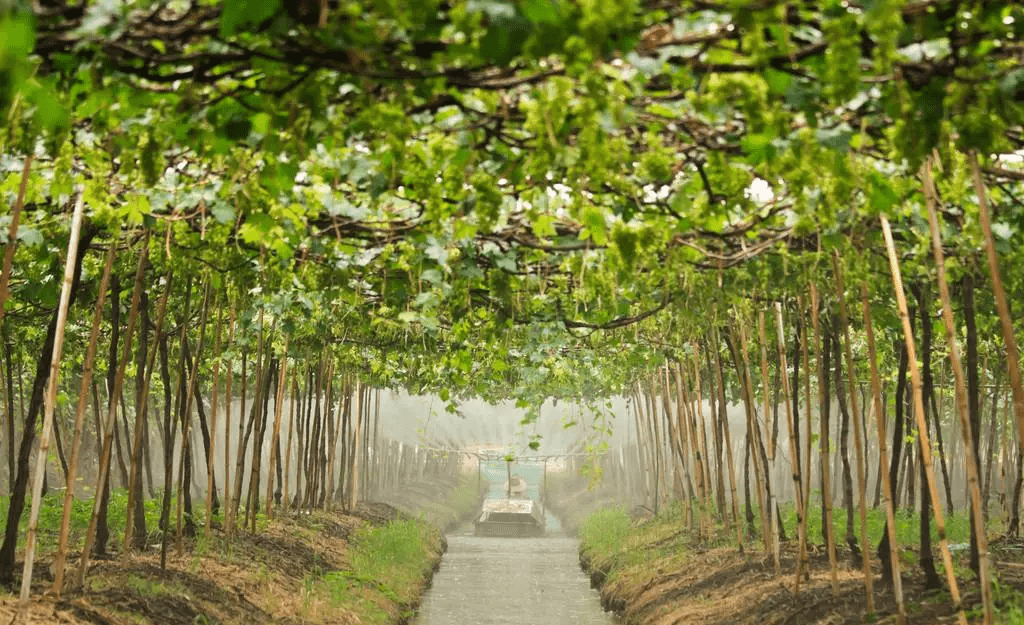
pixel 493 581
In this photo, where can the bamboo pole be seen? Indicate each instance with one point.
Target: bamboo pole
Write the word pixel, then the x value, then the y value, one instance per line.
pixel 773 506
pixel 844 320
pixel 186 426
pixel 805 356
pixel 50 403
pixel 211 457
pixel 682 425
pixel 883 458
pixel 76 442
pixel 687 414
pixel 275 437
pixel 754 439
pixel 228 499
pixel 285 500
pixel 984 576
pixel 727 434
pixel 353 481
pixel 140 420
pixel 111 416
pixel 801 513
pixel 922 426
pixel 1003 309
pixel 823 443
pixel 703 443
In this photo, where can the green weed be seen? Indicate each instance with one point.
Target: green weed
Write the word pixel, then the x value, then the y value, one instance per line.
pixel 389 561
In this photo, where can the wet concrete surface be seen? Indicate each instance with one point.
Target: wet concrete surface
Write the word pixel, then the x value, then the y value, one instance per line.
pixel 521 581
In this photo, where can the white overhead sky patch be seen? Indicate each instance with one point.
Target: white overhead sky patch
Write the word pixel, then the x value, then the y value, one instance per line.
pixel 759 191
pixel 1013 157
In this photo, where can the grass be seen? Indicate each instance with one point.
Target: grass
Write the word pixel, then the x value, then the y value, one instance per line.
pixel 958 525
pixel 630 553
pixel 388 564
pixel 52 508
pixel 614 545
pixel 145 587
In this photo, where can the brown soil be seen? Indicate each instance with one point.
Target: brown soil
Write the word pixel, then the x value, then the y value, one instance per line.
pixel 723 587
pixel 254 578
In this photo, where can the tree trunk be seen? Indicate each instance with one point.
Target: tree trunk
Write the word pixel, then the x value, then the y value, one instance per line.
pixel 169 423
pixel 102 530
pixel 136 516
pixel 9 366
pixel 185 482
pixel 1002 304
pixel 275 449
pixel 860 435
pixel 821 358
pixel 897 449
pixel 723 418
pixel 931 577
pixel 844 447
pixel 973 392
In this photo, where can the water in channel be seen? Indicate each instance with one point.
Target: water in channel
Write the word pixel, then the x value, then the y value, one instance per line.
pixel 494 581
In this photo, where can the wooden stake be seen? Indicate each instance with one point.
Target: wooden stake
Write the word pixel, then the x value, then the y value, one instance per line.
pixel 844 320
pixel 823 443
pixel 143 409
pixel 275 437
pixel 186 427
pixel 922 426
pixel 210 465
pixel 755 439
pixel 228 499
pixel 883 458
pixel 1005 321
pixel 50 403
pixel 798 495
pixel 702 455
pixel 974 489
pixel 111 416
pixel 727 434
pixel 60 558
pixel 773 507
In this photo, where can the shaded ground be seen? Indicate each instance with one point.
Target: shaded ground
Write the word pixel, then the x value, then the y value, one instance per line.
pixel 675 581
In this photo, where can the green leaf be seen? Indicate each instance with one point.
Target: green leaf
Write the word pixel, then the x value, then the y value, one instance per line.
pixel 237 127
pixel 542 11
pixel 758 146
pixel 30 236
pixel 505 38
pixel 593 220
pixel 257 228
pixel 17 38
pixel 778 82
pixel 237 14
pixel 837 139
pixel 260 123
pixel 883 197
